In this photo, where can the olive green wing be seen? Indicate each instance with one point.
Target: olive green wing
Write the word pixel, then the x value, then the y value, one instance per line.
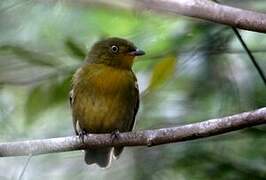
pixel 75 80
pixel 118 150
pixel 71 101
pixel 136 107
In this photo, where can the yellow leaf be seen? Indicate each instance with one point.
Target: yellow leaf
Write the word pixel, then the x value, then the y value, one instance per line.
pixel 162 71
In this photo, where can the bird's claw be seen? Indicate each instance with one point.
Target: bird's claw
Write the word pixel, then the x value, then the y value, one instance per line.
pixel 115 135
pixel 82 135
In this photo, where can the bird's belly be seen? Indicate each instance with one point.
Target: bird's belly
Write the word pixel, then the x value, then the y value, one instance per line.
pixel 105 101
pixel 106 115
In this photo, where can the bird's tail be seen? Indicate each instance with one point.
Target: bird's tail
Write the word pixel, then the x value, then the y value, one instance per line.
pixel 102 157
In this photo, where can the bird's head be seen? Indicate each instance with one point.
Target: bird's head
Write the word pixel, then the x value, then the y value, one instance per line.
pixel 115 52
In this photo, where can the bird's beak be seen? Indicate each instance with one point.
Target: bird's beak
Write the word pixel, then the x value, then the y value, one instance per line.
pixel 137 52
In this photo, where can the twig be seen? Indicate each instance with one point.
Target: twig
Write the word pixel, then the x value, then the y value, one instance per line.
pixel 25 166
pixel 252 58
pixel 141 138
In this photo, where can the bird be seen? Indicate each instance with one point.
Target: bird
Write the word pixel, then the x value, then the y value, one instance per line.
pixel 105 97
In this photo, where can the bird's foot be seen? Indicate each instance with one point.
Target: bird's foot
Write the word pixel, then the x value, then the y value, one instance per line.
pixel 115 135
pixel 82 135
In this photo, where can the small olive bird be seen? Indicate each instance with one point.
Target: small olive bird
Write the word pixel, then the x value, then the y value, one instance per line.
pixel 105 96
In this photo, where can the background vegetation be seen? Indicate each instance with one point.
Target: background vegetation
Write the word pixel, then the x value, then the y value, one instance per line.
pixel 193 71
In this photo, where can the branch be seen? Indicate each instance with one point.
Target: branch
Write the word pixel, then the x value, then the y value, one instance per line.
pixel 141 138
pixel 202 9
pixel 211 11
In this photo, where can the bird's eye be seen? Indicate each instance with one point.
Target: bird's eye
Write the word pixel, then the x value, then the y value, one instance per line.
pixel 114 49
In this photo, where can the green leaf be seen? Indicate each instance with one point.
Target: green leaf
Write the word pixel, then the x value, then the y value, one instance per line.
pixel 162 71
pixel 75 49
pixel 32 57
pixel 44 96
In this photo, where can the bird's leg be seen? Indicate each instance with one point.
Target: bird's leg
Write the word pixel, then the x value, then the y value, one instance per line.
pixel 115 135
pixel 81 135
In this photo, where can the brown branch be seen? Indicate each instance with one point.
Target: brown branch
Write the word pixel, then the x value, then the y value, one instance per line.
pixel 202 9
pixel 141 138
pixel 211 11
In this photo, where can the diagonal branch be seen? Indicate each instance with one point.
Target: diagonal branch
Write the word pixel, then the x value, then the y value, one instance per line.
pixel 211 11
pixel 141 138
pixel 202 9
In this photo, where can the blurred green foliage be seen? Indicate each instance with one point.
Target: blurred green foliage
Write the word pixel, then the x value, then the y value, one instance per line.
pixel 162 72
pixel 193 71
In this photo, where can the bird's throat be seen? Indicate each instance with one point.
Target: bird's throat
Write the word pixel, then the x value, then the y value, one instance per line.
pixel 127 62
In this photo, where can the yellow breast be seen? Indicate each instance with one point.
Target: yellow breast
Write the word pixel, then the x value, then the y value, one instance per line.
pixel 111 79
